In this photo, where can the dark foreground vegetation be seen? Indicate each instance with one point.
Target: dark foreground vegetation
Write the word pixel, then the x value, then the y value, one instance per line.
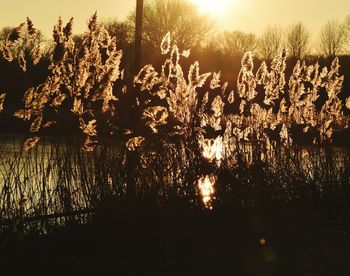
pixel 264 219
pixel 303 237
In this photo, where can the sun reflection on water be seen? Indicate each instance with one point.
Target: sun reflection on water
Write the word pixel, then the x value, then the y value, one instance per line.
pixel 206 188
pixel 212 149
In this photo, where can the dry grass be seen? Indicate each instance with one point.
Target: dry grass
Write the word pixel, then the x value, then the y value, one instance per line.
pixel 185 131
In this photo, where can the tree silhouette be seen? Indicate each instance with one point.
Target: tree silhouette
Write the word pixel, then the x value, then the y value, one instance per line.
pixel 237 43
pixel 4 32
pixel 298 39
pixel 332 39
pixel 270 42
pixel 179 17
pixel 347 30
pixel 121 31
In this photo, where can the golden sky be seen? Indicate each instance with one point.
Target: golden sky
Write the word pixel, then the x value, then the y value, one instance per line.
pixel 245 15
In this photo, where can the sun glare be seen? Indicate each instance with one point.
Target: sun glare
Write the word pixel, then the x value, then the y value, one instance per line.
pixel 214 7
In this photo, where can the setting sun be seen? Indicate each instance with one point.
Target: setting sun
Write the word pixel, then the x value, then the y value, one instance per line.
pixel 213 7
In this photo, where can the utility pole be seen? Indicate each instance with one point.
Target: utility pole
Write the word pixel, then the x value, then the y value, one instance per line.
pixel 138 35
pixel 132 156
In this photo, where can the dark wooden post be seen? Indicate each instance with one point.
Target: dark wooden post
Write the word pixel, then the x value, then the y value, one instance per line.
pixel 132 155
pixel 138 35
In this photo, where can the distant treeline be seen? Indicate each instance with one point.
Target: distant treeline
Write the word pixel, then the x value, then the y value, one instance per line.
pixel 191 30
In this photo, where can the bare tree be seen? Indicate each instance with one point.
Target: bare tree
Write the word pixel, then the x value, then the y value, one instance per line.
pixel 271 42
pixel 347 24
pixel 332 39
pixel 237 43
pixel 121 31
pixel 4 32
pixel 347 31
pixel 181 18
pixel 298 39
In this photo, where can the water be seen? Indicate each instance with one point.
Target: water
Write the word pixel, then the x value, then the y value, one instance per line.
pixel 306 160
pixel 36 182
pixel 57 177
pixel 206 185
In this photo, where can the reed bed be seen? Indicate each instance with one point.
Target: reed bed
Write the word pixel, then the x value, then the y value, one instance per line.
pixel 57 177
pixel 166 135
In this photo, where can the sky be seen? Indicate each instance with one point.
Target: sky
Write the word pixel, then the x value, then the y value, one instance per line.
pixel 246 15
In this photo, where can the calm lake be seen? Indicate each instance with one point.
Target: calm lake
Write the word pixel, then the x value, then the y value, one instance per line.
pixel 57 177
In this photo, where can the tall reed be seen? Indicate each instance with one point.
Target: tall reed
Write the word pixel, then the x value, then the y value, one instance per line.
pixel 165 129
